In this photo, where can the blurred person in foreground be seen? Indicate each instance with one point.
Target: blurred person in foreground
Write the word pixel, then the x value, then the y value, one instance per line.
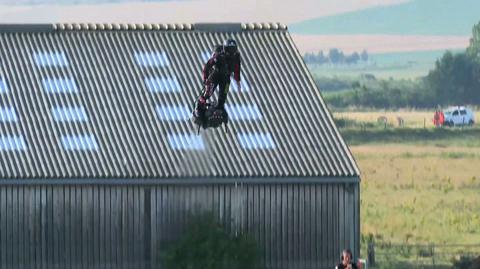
pixel 347 261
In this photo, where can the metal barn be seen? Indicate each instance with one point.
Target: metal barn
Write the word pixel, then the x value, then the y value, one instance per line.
pixel 99 165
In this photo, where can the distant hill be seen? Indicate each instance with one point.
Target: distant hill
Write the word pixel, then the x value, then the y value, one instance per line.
pixel 418 17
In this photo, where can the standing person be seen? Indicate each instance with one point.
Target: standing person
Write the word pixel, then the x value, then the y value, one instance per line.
pixel 441 118
pixel 347 261
pixel 436 118
pixel 224 61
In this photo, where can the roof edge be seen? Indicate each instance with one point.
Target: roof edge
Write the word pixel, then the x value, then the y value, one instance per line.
pixel 22 28
pixel 183 181
pixel 202 27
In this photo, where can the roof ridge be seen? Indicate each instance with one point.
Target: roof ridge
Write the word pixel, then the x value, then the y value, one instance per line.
pixel 207 27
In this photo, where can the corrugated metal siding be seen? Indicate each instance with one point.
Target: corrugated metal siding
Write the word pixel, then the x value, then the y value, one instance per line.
pixel 298 226
pixel 120 117
pixel 72 227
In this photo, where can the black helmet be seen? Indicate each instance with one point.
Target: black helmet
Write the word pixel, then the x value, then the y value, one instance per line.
pixel 230 46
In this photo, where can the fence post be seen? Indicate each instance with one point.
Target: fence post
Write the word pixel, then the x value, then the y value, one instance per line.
pixel 433 255
pixel 371 253
pixel 416 258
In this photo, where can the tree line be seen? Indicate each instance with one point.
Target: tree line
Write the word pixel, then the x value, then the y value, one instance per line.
pixel 456 77
pixel 335 56
pixel 454 80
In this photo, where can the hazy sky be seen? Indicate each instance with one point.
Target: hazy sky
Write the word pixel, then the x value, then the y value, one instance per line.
pixel 285 11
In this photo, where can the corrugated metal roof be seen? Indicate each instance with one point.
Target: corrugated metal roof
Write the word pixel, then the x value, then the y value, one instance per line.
pixel 113 101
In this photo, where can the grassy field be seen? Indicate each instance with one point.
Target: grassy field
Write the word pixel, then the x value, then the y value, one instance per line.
pixel 397 71
pixel 413 194
pixel 418 189
pixel 412 119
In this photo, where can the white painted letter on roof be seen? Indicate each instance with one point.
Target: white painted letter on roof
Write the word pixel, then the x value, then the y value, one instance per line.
pixel 152 59
pixel 8 143
pixel 50 59
pixel 168 84
pixel 59 85
pixel 186 142
pixel 79 142
pixel 173 112
pixel 8 114
pixel 256 141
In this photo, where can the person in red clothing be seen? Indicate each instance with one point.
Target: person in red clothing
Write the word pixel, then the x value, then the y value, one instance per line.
pixel 438 118
pixel 441 118
pixel 224 61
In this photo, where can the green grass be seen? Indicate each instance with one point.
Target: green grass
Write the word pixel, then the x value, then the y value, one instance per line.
pixel 399 71
pixel 419 187
pixel 419 194
pixel 439 137
pixel 393 58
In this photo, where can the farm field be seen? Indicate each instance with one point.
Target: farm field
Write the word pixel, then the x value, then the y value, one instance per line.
pixel 420 194
pixel 417 190
pixel 412 119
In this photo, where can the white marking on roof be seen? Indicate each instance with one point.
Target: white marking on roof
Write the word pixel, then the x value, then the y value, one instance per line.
pixel 243 112
pixel 234 88
pixel 50 59
pixel 256 141
pixel 79 142
pixel 152 59
pixel 157 84
pixel 186 142
pixel 206 56
pixel 59 85
pixel 67 114
pixel 173 113
pixel 8 143
pixel 8 114
pixel 3 86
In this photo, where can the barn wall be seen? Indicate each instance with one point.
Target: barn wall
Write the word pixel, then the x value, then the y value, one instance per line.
pixel 105 226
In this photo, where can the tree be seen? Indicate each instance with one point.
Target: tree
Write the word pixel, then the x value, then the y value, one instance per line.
pixel 474 49
pixel 352 59
pixel 364 56
pixel 321 59
pixel 456 77
pixel 207 244
pixel 315 58
pixel 455 80
pixel 335 56
pixel 308 57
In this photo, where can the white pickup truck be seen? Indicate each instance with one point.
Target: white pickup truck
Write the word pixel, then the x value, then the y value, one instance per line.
pixel 458 115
